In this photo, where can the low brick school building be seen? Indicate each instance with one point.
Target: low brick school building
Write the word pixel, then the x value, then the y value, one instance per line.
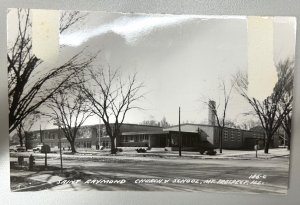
pixel 193 137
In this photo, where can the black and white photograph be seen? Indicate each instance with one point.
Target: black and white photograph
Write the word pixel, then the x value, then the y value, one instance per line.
pixel 108 101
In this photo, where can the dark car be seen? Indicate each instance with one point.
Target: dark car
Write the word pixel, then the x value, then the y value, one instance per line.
pixel 21 149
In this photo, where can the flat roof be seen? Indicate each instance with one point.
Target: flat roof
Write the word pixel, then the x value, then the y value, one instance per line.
pixel 152 132
pixel 96 125
pixel 164 130
pixel 206 125
pixel 145 133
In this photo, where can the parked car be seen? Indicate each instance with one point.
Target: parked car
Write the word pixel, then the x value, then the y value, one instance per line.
pixel 13 149
pixel 38 148
pixel 206 148
pixel 21 149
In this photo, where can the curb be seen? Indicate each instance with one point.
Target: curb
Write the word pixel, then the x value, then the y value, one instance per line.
pixel 147 157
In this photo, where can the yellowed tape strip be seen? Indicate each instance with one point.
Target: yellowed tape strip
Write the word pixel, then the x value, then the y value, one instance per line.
pixel 262 74
pixel 45 34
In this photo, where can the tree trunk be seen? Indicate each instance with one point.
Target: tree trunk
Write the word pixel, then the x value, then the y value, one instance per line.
pixel 73 148
pixel 45 160
pixel 21 140
pixel 26 141
pixel 20 135
pixel 267 147
pixel 267 142
pixel 289 141
pixel 221 139
pixel 113 149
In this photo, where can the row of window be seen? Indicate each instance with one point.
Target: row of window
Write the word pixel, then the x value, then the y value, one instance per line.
pixel 66 145
pixel 186 140
pixel 84 144
pixel 105 144
pixel 53 136
pixel 237 135
pixel 137 138
pixel 232 136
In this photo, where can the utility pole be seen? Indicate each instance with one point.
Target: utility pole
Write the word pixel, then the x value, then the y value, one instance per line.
pixel 256 147
pixel 60 153
pixel 99 143
pixel 41 137
pixel 221 139
pixel 284 139
pixel 180 139
pixel 59 143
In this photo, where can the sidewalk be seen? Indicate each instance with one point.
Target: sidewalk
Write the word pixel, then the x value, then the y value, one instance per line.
pixel 22 180
pixel 226 154
pixel 236 154
pixel 157 154
pixel 40 179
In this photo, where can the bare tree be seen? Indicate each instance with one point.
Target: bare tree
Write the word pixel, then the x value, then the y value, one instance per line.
pixel 29 86
pixel 164 123
pixel 286 74
pixel 25 126
pixel 271 111
pixel 247 125
pixel 69 109
pixel 220 111
pixel 70 18
pixel 150 122
pixel 111 97
pixel 287 126
pixel 231 124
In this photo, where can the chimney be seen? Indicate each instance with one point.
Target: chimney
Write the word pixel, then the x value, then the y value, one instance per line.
pixel 211 112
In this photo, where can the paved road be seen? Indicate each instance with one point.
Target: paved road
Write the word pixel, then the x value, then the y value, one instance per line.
pixel 204 175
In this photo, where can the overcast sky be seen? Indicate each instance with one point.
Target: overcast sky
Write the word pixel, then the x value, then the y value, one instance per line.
pixel 180 59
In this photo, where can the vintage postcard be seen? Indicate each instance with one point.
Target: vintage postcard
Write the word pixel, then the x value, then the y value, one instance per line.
pixel 149 102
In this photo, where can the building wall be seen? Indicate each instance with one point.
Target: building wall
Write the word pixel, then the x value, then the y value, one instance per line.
pixel 250 137
pixel 207 132
pixel 136 140
pixel 158 140
pixel 139 128
pixel 162 139
pixel 88 137
pixel 241 139
pixel 140 140
pixel 232 138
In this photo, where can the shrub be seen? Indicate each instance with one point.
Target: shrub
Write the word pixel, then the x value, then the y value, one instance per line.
pixel 202 151
pixel 118 150
pixel 211 152
pixel 141 150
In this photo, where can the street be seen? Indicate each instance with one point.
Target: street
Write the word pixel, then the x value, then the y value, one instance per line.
pixel 155 174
